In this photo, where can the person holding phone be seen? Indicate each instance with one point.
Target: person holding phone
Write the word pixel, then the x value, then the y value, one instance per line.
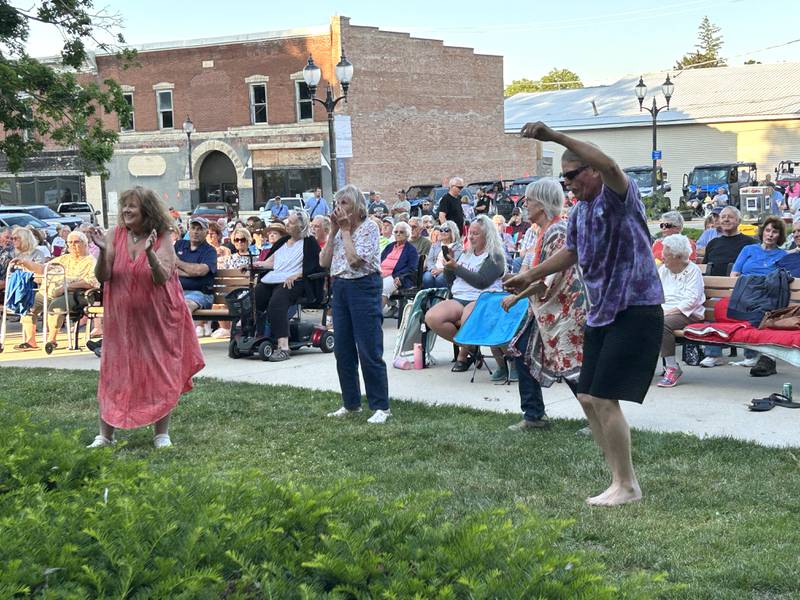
pixel 447 246
pixel 150 350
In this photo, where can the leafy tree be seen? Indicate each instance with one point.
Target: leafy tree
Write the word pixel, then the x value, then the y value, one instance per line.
pixel 55 99
pixel 708 45
pixel 556 79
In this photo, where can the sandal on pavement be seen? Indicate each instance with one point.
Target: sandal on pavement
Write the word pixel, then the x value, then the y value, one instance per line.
pixel 761 404
pixel 781 400
pixel 279 355
pixel 460 366
pixel 25 347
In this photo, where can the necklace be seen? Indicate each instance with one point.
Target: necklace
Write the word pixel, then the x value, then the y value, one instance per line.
pixel 135 237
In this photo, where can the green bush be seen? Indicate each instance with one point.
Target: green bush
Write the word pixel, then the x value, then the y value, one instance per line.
pixel 656 205
pixel 78 523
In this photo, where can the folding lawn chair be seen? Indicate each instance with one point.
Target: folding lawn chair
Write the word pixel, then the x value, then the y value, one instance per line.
pixel 489 325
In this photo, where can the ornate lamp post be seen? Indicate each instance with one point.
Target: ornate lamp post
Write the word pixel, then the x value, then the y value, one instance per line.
pixel 188 129
pixel 641 91
pixel 312 75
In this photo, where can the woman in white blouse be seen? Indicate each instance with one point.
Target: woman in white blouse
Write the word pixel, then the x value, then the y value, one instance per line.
pixel 353 254
pixel 683 299
pixel 291 258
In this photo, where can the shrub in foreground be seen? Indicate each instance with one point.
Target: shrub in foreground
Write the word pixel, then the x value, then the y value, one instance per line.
pixel 77 524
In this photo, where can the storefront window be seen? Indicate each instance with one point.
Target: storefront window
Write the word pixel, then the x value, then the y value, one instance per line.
pixel 283 182
pixel 51 191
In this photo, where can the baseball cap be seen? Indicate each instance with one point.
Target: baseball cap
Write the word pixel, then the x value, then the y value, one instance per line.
pixel 388 220
pixel 717 209
pixel 200 221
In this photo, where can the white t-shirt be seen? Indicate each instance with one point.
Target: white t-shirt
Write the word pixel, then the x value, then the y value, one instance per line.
pixel 461 290
pixel 288 261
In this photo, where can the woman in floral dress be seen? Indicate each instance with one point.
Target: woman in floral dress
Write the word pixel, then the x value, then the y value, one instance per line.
pixel 557 311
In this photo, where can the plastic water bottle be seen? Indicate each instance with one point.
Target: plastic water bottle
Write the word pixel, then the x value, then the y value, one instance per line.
pixel 418 356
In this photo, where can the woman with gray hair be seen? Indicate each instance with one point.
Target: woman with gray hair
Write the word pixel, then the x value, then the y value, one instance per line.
pixel 671 224
pixel 292 259
pixel 684 297
pixel 399 262
pixel 353 255
pixel 468 276
pixel 447 236
pixel 549 347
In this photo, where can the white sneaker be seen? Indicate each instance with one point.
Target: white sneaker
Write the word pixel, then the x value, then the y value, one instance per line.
pixel 710 361
pixel 200 331
pixel 221 333
pixel 207 329
pixel 747 362
pixel 162 440
pixel 380 416
pixel 343 412
pixel 100 441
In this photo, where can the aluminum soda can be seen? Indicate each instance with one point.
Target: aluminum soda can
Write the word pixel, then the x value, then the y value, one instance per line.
pixel 787 390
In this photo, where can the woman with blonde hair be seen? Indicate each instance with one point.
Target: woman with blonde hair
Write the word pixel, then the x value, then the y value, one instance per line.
pixel 25 245
pixel 150 350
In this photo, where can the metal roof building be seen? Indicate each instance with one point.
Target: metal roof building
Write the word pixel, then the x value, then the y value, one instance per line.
pixel 742 113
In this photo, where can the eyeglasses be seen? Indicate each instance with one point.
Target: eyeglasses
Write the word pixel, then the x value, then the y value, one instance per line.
pixel 442 229
pixel 667 225
pixel 400 231
pixel 574 173
pixel 73 241
pixel 237 240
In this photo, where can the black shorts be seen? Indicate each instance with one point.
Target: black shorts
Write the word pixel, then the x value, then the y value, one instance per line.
pixel 619 359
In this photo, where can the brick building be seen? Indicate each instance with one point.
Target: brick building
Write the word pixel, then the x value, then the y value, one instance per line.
pixel 418 112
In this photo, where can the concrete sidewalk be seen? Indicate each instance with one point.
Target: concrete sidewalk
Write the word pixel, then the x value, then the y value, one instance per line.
pixel 708 402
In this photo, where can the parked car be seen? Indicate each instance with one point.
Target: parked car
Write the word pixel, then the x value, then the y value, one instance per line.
pixel 292 203
pixel 216 210
pixel 20 219
pixel 704 180
pixel 417 194
pixel 787 171
pixel 80 210
pixel 643 176
pixel 45 214
pixel 492 187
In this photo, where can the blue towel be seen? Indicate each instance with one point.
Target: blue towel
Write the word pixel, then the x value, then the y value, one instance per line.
pixel 489 324
pixel 20 291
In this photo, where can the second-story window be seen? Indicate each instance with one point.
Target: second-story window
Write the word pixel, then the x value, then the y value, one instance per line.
pixel 128 124
pixel 258 103
pixel 305 105
pixel 164 102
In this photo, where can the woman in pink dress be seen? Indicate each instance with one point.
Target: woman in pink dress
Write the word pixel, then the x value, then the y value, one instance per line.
pixel 150 350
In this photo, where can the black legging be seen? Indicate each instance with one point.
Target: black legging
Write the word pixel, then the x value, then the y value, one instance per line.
pixel 276 300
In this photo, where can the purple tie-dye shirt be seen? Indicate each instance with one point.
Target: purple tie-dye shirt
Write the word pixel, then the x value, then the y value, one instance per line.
pixel 611 238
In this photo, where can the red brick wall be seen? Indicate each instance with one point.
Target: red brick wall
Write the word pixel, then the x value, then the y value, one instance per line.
pixel 217 97
pixel 423 112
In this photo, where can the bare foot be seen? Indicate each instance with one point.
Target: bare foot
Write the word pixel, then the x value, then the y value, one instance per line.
pixel 617 494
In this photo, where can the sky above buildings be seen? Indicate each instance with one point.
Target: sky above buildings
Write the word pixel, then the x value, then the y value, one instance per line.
pixel 600 41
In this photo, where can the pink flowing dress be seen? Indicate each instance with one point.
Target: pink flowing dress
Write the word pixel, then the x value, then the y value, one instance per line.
pixel 150 350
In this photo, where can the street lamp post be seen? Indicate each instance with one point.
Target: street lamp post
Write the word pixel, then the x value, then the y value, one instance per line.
pixel 188 129
pixel 312 75
pixel 641 91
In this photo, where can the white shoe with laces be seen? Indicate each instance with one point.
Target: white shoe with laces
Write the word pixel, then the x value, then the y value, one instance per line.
pixel 101 441
pixel 162 441
pixel 344 412
pixel 221 333
pixel 200 331
pixel 747 362
pixel 380 416
pixel 207 329
pixel 710 361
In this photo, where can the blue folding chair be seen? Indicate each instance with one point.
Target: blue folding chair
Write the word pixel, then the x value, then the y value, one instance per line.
pixel 489 325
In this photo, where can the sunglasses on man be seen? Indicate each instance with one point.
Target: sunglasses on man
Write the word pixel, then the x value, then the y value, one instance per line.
pixel 667 225
pixel 574 173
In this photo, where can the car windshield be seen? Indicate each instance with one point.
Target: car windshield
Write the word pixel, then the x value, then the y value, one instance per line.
pixel 209 210
pixel 709 177
pixel 23 220
pixel 643 179
pixel 419 191
pixel 518 187
pixel 75 207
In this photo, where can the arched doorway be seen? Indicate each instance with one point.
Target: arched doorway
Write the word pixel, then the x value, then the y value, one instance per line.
pixel 218 179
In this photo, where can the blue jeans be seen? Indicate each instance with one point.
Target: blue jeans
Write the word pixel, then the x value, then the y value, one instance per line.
pixel 713 351
pixel 202 300
pixel 530 392
pixel 431 281
pixel 358 326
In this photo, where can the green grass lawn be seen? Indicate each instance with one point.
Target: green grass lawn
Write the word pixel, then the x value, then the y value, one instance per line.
pixel 719 516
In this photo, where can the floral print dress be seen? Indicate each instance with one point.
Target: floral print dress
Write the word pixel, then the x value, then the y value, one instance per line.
pixel 555 349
